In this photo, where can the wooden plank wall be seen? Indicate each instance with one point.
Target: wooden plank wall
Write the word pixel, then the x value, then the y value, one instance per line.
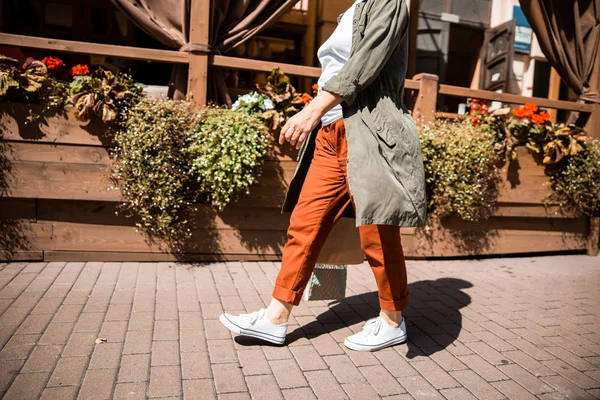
pixel 62 207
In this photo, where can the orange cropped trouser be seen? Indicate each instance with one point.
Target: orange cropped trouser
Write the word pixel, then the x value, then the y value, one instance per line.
pixel 324 196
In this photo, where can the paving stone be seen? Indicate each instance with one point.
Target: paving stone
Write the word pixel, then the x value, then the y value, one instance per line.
pixel 344 369
pixel 476 385
pixel 201 389
pixel 195 365
pixel 419 388
pixel 253 362
pixel 360 391
pixel 439 378
pixel 192 340
pixel 98 384
pixel 165 381
pixel 69 371
pixel 459 393
pixel 228 378
pixel 513 390
pixel 68 313
pixel 56 333
pixel 34 323
pixel 481 367
pixel 106 355
pixel 308 358
pixel 89 322
pixel 8 372
pixel 130 391
pixel 221 351
pixel 60 393
pixel 80 344
pixel 137 342
pixel 381 380
pixel 134 368
pixel 565 387
pixel 18 347
pixel 263 387
pixel 524 378
pixel 166 330
pixel 324 385
pixel 42 359
pixel 27 386
pixel 165 353
pixel 288 373
pixel 304 393
pixel 577 377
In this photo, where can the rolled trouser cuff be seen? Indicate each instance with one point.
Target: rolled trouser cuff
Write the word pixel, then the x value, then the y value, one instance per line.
pixel 287 295
pixel 394 305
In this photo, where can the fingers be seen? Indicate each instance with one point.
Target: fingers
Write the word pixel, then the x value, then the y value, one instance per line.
pixel 301 140
pixel 283 132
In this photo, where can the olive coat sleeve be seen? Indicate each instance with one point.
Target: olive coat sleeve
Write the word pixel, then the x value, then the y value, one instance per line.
pixel 386 22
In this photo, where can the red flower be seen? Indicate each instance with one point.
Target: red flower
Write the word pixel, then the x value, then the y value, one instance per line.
pixel 475 121
pixel 80 69
pixel 52 62
pixel 306 98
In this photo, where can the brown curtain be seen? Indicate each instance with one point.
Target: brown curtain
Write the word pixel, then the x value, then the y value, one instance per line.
pixel 569 35
pixel 232 23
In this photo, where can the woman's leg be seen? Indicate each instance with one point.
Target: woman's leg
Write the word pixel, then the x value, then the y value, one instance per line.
pixel 322 201
pixel 383 247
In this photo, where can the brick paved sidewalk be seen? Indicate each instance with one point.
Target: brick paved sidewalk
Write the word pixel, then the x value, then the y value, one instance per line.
pixel 492 329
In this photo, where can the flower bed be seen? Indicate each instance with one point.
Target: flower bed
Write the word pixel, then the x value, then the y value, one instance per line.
pixel 149 180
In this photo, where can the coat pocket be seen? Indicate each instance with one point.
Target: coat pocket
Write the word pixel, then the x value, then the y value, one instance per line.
pixel 382 127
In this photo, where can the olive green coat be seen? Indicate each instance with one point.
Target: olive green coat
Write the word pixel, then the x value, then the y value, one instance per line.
pixel 385 168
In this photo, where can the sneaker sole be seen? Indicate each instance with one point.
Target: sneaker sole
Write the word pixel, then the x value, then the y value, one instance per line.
pixel 362 347
pixel 250 333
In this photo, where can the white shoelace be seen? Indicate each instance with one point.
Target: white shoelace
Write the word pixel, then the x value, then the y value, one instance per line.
pixel 253 317
pixel 373 326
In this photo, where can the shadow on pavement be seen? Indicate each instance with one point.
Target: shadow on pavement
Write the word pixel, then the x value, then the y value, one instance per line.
pixel 433 318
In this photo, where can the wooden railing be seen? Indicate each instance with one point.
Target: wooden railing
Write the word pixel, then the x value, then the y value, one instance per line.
pixel 425 87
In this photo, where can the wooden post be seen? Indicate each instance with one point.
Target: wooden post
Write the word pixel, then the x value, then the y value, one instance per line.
pixel 424 111
pixel 413 32
pixel 309 41
pixel 198 69
pixel 594 236
pixel 593 125
pixel 554 91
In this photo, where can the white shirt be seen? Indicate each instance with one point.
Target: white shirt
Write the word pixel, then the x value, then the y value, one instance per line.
pixel 333 54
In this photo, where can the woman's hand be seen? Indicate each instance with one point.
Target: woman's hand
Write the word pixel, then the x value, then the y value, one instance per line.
pixel 297 128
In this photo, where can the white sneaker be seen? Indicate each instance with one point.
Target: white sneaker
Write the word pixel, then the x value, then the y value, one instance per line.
pixel 256 325
pixel 376 335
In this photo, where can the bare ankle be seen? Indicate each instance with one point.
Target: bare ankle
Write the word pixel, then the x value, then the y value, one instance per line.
pixel 393 318
pixel 279 311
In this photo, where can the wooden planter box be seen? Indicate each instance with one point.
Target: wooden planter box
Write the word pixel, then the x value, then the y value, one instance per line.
pixel 61 207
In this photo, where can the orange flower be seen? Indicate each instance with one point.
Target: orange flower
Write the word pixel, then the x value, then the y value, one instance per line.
pixel 523 112
pixel 315 87
pixel 540 118
pixel 531 107
pixel 475 121
pixel 52 62
pixel 306 98
pixel 80 69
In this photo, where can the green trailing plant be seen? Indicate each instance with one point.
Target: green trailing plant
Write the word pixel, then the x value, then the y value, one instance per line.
pixel 171 155
pixel 226 151
pixel 461 169
pixel 576 185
